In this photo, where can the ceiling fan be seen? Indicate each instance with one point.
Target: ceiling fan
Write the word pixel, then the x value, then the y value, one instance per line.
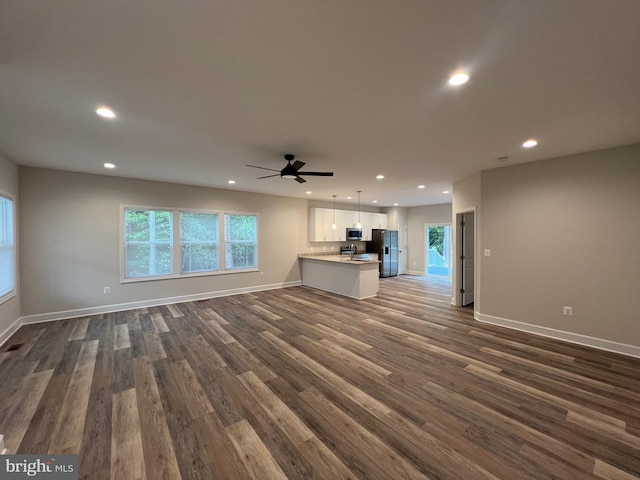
pixel 292 171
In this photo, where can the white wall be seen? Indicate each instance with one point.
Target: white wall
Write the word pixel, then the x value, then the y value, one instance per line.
pixel 70 240
pixel 466 198
pixel 9 310
pixel 417 218
pixel 564 232
pixel 396 216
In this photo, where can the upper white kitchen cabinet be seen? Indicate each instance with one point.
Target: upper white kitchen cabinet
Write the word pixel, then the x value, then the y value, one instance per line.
pixel 321 220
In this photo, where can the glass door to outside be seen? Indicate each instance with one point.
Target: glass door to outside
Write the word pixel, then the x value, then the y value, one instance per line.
pixel 439 250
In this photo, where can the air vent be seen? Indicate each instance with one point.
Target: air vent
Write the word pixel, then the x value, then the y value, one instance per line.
pixel 15 346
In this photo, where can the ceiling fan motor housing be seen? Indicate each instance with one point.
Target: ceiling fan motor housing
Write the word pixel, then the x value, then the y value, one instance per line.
pixel 289 172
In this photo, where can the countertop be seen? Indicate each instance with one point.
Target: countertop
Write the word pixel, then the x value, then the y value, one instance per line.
pixel 337 258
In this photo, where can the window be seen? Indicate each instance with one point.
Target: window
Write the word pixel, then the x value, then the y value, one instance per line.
pixel 7 249
pixel 241 241
pixel 439 250
pixel 198 242
pixel 148 243
pixel 202 243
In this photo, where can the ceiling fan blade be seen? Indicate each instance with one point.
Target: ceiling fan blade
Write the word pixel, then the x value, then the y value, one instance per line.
pixel 263 168
pixel 297 164
pixel 317 174
pixel 300 180
pixel 268 176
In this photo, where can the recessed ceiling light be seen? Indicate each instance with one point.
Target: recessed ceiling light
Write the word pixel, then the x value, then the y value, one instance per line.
pixel 375 201
pixel 109 165
pixel 349 198
pixel 231 182
pixel 105 112
pixel 530 143
pixel 395 204
pixel 446 191
pixel 309 192
pixel 420 186
pixel 379 177
pixel 458 78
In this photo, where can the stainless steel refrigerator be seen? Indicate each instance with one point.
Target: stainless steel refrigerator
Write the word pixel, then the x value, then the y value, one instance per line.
pixel 385 244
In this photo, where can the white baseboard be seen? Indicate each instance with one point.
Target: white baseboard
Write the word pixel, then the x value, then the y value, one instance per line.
pixel 13 328
pixel 415 272
pixel 599 343
pixel 84 312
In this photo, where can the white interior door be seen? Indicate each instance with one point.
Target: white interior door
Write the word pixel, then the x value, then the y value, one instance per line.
pixel 402 248
pixel 467 259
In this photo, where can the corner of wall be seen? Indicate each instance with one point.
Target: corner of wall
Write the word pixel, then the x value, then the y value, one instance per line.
pixel 10 309
pixel 10 330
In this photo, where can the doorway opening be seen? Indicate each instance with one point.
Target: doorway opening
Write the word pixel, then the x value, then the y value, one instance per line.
pixel 439 240
pixel 465 254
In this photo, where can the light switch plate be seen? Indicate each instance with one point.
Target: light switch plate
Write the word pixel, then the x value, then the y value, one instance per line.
pixel 487 252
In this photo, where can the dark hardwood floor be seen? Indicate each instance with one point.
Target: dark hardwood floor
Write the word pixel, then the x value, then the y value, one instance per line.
pixel 301 384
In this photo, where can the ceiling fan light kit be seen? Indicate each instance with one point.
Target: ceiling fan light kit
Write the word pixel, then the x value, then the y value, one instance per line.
pixel 292 171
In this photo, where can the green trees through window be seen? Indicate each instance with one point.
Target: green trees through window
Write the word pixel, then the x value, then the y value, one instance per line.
pixel 151 248
pixel 240 241
pixel 148 243
pixel 436 239
pixel 439 250
pixel 198 242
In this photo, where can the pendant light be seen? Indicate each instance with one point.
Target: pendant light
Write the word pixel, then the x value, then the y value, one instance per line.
pixel 333 225
pixel 359 225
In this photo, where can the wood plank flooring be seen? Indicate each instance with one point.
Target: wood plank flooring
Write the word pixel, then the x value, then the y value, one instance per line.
pixel 301 384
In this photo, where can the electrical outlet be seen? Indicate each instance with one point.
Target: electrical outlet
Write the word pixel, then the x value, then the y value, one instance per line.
pixel 567 310
pixel 107 290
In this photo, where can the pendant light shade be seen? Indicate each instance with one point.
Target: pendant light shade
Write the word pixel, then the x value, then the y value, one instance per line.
pixel 359 225
pixel 333 225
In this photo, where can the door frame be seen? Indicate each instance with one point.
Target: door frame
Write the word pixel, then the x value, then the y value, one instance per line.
pixel 402 266
pixel 426 249
pixel 456 296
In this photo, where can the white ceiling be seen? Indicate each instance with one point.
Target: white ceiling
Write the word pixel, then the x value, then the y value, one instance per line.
pixel 357 87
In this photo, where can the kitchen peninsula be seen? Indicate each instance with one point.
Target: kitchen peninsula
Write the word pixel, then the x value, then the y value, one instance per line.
pixel 342 275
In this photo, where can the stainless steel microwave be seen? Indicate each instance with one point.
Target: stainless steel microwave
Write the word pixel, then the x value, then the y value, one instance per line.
pixel 354 234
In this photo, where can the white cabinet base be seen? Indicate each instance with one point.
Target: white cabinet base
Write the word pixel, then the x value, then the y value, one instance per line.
pixel 351 279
